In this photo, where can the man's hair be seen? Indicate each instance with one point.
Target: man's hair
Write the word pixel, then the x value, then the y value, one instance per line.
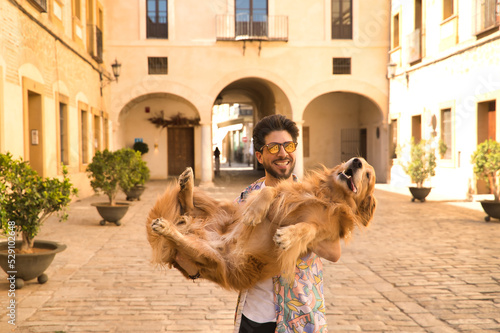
pixel 272 123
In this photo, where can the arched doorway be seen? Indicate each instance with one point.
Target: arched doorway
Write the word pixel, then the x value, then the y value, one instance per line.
pixel 340 125
pixel 169 125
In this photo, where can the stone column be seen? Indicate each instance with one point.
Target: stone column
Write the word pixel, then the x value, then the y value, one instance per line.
pixel 206 155
pixel 299 153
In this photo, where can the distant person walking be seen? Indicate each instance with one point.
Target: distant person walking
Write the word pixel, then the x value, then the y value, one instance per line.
pixel 217 161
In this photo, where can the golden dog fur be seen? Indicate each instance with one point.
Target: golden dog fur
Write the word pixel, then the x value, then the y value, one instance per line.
pixel 236 246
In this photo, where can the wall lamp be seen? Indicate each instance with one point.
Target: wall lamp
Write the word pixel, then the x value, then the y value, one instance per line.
pixel 116 67
pixel 391 70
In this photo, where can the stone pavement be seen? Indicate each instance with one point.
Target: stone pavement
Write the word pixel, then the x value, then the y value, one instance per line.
pixel 420 267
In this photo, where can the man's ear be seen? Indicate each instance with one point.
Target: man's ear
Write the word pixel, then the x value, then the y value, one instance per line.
pixel 258 154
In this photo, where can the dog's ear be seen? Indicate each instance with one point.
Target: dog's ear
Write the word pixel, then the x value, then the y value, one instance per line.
pixel 366 209
pixel 185 196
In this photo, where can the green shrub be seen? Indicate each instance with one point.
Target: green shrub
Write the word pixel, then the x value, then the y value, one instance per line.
pixel 486 160
pixel 141 147
pixel 422 164
pixel 28 199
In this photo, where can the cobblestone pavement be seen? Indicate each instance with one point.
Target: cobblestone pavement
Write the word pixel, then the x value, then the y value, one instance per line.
pixel 420 267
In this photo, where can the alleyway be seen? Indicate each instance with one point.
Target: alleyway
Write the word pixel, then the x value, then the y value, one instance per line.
pixel 420 267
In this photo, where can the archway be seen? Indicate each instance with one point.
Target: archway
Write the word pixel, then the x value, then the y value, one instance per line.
pixel 340 125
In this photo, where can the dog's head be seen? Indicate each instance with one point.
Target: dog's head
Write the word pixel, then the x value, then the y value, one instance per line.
pixel 357 179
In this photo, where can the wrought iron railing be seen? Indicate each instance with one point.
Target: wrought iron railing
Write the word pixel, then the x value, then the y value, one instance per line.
pixel 247 27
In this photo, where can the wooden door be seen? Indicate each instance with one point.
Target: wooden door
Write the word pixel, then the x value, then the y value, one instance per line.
pixel 180 149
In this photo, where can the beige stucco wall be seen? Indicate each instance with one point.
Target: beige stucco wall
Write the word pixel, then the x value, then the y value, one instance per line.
pixel 287 76
pixel 458 77
pixel 58 64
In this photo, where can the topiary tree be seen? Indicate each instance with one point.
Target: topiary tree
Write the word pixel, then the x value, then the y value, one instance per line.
pixel 422 164
pixel 141 147
pixel 105 172
pixel 137 171
pixel 28 200
pixel 486 160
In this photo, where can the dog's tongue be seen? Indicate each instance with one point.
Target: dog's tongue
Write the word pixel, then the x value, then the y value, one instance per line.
pixel 352 186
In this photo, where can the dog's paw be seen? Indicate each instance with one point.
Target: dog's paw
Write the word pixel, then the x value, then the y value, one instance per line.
pixel 283 238
pixel 159 225
pixel 185 178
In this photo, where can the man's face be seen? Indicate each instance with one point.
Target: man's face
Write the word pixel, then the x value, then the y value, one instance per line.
pixel 281 164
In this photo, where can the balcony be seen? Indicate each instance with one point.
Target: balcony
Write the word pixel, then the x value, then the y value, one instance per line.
pixel 40 5
pixel 486 16
pixel 261 28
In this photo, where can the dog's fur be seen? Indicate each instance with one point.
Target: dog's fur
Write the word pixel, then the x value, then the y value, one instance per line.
pixel 237 246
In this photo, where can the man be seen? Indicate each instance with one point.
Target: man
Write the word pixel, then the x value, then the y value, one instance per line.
pixel 274 304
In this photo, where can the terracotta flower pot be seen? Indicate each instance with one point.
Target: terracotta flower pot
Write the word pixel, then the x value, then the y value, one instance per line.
pixel 28 266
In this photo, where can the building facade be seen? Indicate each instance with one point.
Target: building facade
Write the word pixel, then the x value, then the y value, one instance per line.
pixel 322 63
pixel 54 92
pixel 444 85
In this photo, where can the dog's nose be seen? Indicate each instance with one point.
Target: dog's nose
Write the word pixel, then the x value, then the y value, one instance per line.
pixel 357 164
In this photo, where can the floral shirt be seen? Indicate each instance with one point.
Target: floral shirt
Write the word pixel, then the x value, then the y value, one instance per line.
pixel 300 307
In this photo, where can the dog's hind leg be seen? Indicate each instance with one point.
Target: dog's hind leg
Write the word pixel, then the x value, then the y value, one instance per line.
pixel 193 247
pixel 185 196
pixel 257 206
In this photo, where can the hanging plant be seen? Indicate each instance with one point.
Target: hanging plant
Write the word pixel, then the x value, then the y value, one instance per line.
pixel 178 120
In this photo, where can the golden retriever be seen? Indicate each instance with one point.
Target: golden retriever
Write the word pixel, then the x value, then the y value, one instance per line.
pixel 236 246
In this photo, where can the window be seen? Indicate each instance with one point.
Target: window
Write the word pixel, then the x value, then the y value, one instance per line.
pixel 446 132
pixel 77 9
pixel 157 23
pixel 251 18
pixel 97 133
pixel 84 136
pixel 157 65
pixel 393 128
pixel 448 9
pixel 341 65
pixel 341 19
pixel 395 31
pixel 416 128
pixel 63 133
pixel 486 16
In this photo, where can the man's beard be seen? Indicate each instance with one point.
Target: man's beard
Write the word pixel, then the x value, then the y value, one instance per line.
pixel 279 175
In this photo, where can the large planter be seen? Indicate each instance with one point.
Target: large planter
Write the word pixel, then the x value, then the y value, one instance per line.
pixel 419 193
pixel 28 266
pixel 112 214
pixel 492 208
pixel 135 192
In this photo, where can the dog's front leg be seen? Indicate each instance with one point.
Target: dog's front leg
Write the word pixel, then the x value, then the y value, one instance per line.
pixel 293 241
pixel 257 206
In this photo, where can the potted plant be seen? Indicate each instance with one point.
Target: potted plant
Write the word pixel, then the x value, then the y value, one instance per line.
pixel 132 182
pixel 420 168
pixel 26 202
pixel 486 161
pixel 106 171
pixel 141 147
